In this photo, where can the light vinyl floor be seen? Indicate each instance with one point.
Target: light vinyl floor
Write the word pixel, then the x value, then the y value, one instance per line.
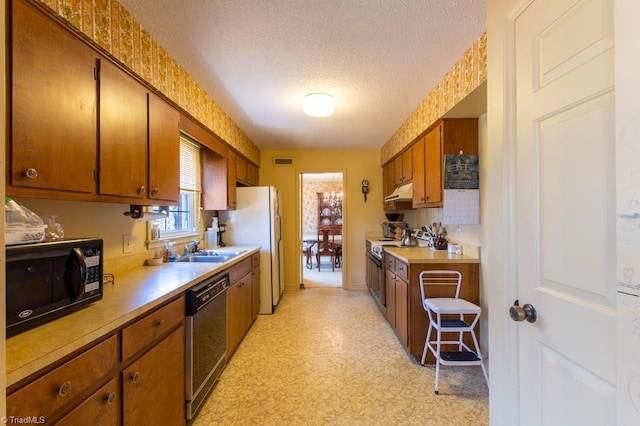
pixel 328 357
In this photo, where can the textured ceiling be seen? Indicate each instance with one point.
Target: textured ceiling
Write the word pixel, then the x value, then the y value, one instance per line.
pixel 258 58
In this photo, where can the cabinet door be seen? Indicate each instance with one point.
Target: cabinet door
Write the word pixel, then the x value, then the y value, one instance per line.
pixel 407 166
pixel 101 408
pixel 231 179
pixel 239 307
pixel 397 171
pixel 252 174
pixel 402 311
pixel 390 292
pixel 433 167
pixel 241 169
pixel 164 151
pixel 54 101
pixel 417 154
pixel 153 386
pixel 255 293
pixel 123 134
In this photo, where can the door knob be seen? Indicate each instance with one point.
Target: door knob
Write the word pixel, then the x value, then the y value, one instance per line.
pixel 521 313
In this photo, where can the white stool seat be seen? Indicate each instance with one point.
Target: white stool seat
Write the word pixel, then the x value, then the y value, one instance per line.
pixel 465 317
pixel 449 305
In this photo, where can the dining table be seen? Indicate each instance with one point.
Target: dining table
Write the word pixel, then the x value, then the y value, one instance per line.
pixel 310 240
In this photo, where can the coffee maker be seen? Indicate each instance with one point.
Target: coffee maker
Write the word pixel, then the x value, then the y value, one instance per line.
pixel 221 228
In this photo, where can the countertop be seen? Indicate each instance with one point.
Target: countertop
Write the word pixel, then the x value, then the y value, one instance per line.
pixel 428 255
pixel 471 254
pixel 134 293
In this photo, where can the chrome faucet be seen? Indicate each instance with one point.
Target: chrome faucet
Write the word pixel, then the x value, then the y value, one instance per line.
pixel 192 247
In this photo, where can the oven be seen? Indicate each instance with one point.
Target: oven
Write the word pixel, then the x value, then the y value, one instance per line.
pixel 375 279
pixel 206 338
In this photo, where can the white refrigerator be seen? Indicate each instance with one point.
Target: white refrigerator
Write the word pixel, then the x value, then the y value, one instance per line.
pixel 257 221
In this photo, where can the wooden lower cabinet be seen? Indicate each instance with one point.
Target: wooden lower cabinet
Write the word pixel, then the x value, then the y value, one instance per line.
pixel 103 385
pixel 239 309
pixel 153 386
pixel 101 408
pixel 243 300
pixel 255 286
pixel 396 292
pixel 404 309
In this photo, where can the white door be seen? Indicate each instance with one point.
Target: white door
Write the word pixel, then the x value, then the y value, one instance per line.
pixel 565 210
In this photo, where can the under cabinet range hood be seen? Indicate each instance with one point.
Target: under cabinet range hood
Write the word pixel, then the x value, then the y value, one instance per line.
pixel 401 193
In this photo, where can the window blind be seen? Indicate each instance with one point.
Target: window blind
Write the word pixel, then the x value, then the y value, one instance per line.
pixel 189 165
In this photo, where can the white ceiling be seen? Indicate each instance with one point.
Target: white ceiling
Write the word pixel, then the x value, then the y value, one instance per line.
pixel 258 58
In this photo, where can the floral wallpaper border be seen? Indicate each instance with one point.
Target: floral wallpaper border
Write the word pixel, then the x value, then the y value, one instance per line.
pixel 461 79
pixel 110 25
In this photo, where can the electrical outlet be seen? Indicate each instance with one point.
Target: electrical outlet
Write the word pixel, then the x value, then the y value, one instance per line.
pixel 458 234
pixel 127 243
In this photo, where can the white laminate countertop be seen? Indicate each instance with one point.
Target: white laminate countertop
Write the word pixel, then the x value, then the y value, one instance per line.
pixel 134 293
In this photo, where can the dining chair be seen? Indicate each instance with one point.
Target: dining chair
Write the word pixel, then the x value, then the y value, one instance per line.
pixel 326 247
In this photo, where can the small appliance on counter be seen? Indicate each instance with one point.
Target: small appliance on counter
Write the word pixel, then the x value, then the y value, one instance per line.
pixel 393 229
pixel 47 280
pixel 221 229
pixel 408 238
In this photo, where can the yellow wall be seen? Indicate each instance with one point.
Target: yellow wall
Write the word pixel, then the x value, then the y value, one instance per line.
pixel 359 217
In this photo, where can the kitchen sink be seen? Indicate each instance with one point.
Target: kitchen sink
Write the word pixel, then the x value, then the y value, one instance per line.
pixel 212 256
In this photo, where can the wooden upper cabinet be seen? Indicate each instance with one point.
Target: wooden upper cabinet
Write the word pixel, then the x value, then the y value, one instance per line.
pixel 164 151
pixel 123 134
pixel 241 169
pixel 403 168
pixel 218 180
pixel 448 136
pixel 252 174
pixel 231 180
pixel 433 167
pixel 54 104
pixel 417 154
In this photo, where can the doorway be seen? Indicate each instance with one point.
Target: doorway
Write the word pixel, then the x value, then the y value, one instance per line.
pixel 321 208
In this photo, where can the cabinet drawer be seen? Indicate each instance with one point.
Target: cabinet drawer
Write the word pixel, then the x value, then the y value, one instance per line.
pixel 239 270
pixel 402 270
pixel 101 408
pixel 145 330
pixel 44 396
pixel 255 260
pixel 389 262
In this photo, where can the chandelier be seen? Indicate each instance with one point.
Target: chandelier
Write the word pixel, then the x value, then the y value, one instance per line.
pixel 333 198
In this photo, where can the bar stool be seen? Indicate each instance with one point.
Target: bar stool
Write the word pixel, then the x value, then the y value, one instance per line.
pixel 449 307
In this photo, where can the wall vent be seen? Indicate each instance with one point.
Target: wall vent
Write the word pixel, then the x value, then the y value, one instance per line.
pixel 283 161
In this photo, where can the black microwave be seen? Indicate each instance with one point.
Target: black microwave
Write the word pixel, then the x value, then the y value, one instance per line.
pixel 48 280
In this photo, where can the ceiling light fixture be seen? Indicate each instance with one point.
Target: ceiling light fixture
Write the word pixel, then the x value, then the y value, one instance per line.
pixel 319 104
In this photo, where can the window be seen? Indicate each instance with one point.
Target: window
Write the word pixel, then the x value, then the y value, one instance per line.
pixel 183 219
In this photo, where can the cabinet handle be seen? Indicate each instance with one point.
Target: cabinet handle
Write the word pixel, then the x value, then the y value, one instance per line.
pixel 110 398
pixel 31 173
pixel 135 378
pixel 141 190
pixel 155 191
pixel 160 323
pixel 64 389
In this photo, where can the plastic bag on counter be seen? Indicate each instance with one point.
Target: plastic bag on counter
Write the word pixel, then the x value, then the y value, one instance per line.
pixel 22 226
pixel 54 230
